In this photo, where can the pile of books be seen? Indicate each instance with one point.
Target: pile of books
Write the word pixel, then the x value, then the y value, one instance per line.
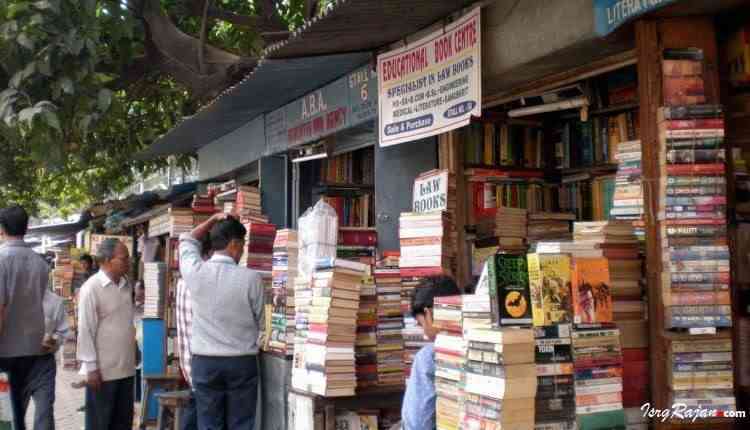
pixel 682 77
pixel 284 271
pixel 555 405
pixel 259 243
pixel 155 286
pixel 174 222
pixel 700 373
pixel 413 333
pixel 203 203
pixel 511 228
pixel 597 361
pixel 450 359
pixel 303 299
pixel 549 226
pixel 366 346
pixel 357 245
pixel 247 204
pixel 476 311
pixel 628 198
pixel 500 379
pixel 696 255
pixel 390 325
pixel 79 275
pixel 329 348
pixel 424 239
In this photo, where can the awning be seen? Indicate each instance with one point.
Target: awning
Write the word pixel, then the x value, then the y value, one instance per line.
pixel 364 25
pixel 272 84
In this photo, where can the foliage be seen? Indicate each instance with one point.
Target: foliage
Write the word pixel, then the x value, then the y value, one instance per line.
pixel 79 94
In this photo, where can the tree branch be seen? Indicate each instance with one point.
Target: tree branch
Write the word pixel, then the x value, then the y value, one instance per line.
pixel 202 48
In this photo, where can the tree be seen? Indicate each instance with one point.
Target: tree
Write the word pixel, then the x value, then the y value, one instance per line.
pixel 85 84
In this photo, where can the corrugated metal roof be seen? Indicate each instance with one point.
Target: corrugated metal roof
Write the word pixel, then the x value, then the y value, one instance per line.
pixel 322 50
pixel 271 85
pixel 359 25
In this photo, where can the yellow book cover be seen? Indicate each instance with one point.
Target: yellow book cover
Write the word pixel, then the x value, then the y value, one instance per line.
pixel 535 287
pixel 556 283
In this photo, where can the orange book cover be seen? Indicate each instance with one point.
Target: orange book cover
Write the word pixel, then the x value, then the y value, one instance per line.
pixel 592 298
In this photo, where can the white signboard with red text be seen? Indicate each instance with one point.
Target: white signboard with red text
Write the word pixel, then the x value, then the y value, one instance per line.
pixel 433 85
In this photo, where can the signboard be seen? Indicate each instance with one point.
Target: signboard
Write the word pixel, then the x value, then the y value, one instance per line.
pixel 433 85
pixel 97 239
pixel 611 14
pixel 344 103
pixel 431 192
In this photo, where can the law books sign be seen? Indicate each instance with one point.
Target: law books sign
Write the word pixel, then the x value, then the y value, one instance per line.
pixel 433 85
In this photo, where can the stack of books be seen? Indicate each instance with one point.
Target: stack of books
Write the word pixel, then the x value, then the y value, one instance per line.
pixel 390 338
pixel 555 405
pixel 450 359
pixel 203 203
pixel 700 373
pixel 511 228
pixel 413 333
pixel 693 195
pixel 366 346
pixel 597 360
pixel 329 349
pixel 682 77
pixel 174 222
pixel 247 204
pixel 500 379
pixel 424 239
pixel 62 279
pixel 303 299
pixel 357 245
pixel 476 311
pixel 549 226
pixel 259 241
pixel 284 271
pixel 628 198
pixel 155 286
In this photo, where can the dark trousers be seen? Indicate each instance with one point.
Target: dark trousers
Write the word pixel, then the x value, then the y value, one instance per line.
pixel 111 406
pixel 189 417
pixel 226 391
pixel 32 376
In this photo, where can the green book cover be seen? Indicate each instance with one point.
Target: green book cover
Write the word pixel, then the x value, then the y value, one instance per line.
pixel 612 420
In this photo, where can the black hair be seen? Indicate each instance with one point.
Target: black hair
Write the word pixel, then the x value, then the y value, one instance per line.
pixel 224 232
pixel 428 289
pixel 87 258
pixel 14 220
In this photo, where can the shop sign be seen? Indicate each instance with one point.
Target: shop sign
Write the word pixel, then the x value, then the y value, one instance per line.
pixel 344 103
pixel 611 14
pixel 431 193
pixel 433 85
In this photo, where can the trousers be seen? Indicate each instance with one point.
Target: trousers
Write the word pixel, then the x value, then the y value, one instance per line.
pixel 226 391
pixel 32 377
pixel 111 406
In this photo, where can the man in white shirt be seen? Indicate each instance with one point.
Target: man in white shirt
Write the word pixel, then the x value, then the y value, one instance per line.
pixel 106 341
pixel 44 371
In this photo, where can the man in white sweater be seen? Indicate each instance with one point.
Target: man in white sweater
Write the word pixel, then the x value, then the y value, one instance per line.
pixel 106 341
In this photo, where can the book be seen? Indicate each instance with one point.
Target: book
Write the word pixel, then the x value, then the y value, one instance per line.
pixel 550 285
pixel 509 290
pixel 592 298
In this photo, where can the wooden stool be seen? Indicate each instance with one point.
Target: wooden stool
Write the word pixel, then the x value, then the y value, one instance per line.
pixel 171 404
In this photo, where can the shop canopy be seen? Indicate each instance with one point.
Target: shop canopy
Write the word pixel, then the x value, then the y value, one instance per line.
pixel 324 49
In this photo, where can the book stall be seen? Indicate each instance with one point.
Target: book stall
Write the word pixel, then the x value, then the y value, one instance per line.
pixel 594 219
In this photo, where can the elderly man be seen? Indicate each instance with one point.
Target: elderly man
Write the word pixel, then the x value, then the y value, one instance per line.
pixel 106 341
pixel 227 319
pixel 24 277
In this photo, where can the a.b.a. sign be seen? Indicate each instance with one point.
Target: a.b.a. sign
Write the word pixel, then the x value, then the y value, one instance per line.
pixel 431 192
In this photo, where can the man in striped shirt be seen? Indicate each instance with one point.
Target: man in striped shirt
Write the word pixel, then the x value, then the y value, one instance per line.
pixel 184 307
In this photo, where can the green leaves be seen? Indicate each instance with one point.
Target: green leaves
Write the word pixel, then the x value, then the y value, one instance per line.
pixel 104 99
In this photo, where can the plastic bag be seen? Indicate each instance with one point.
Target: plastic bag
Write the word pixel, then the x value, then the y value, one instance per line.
pixel 318 234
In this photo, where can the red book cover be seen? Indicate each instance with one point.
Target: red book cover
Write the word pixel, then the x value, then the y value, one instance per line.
pixel 720 221
pixel 421 272
pixel 585 363
pixel 358 238
pixel 634 399
pixel 700 169
pixel 691 124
